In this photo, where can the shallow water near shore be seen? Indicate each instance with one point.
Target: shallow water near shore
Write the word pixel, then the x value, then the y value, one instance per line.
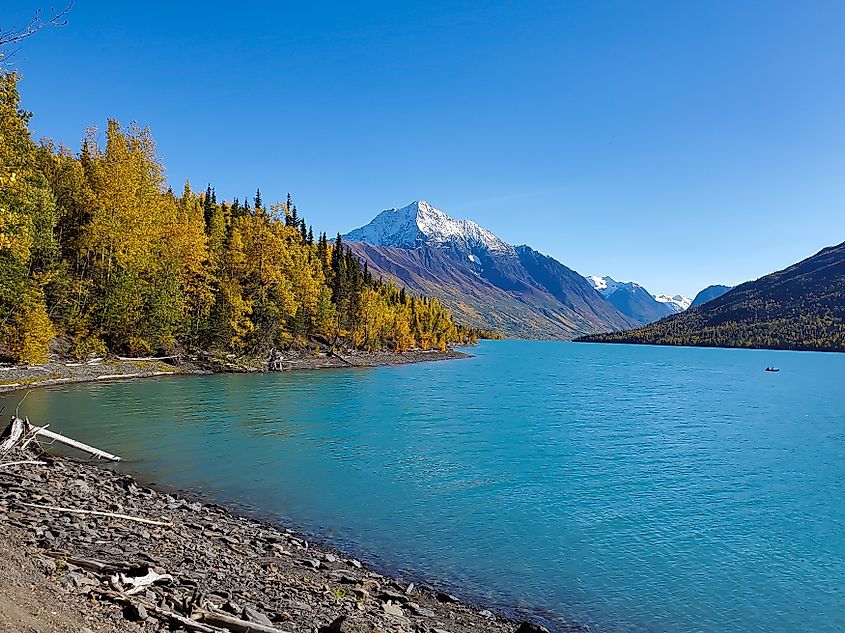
pixel 628 488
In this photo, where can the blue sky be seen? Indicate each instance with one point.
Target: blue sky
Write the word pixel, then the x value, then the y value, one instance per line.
pixel 676 144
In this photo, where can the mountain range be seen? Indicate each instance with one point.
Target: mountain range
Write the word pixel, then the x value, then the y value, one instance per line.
pixel 800 307
pixel 486 282
pixel 634 301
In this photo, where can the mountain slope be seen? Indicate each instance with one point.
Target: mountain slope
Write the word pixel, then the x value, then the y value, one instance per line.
pixel 486 282
pixel 631 299
pixel 801 307
pixel 708 294
pixel 637 303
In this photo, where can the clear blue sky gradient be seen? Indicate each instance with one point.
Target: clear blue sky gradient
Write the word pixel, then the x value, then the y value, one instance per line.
pixel 676 144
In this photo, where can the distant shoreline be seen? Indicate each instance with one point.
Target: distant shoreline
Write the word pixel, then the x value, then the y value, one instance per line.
pixel 598 338
pixel 61 372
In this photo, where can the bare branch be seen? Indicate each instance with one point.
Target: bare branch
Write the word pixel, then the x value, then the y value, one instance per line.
pixel 38 22
pixel 18 408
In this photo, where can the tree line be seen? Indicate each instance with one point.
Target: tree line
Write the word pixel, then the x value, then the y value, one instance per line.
pixel 801 307
pixel 98 253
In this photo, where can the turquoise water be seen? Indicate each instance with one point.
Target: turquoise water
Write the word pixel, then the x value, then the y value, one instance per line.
pixel 625 488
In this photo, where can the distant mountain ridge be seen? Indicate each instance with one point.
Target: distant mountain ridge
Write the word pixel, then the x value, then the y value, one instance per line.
pixel 709 293
pixel 485 281
pixel 634 301
pixel 801 307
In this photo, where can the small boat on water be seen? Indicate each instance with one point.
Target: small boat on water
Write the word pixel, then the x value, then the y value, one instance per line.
pixel 772 369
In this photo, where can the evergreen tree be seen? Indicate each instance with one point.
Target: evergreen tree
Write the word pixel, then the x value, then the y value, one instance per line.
pixel 98 248
pixel 207 207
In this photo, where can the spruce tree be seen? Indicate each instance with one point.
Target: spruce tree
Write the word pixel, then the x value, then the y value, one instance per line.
pixel 207 208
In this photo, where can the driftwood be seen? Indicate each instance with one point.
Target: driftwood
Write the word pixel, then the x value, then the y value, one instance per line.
pixel 56 437
pixel 348 362
pixel 137 584
pixel 202 620
pixel 24 462
pixel 13 434
pixel 113 515
pixel 147 358
pixel 20 434
pixel 215 618
pixel 160 612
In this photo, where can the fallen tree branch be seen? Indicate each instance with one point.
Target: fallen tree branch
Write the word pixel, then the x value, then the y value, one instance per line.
pixel 142 374
pixel 146 358
pixel 215 618
pixel 31 436
pixel 24 462
pixel 99 513
pixel 96 452
pixel 159 612
pixel 20 402
pixel 137 584
pixel 12 435
pixel 350 363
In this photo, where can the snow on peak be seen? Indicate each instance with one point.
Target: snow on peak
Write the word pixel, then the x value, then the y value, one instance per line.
pixel 420 224
pixel 607 285
pixel 678 302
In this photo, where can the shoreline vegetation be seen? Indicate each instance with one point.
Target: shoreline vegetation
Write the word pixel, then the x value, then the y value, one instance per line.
pixel 99 256
pixel 800 308
pixel 84 548
pixel 61 372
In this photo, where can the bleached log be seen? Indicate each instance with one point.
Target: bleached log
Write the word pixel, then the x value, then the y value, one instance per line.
pixel 91 564
pixel 99 513
pixel 96 452
pixel 146 358
pixel 215 618
pixel 15 431
pixel 25 462
pixel 31 435
pixel 137 584
pixel 140 374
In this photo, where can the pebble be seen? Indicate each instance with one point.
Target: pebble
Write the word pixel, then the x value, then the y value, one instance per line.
pixel 232 564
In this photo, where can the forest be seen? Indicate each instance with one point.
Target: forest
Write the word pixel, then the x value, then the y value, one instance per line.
pixel 98 254
pixel 801 307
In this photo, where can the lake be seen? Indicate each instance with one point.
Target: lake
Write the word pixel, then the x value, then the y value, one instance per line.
pixel 627 488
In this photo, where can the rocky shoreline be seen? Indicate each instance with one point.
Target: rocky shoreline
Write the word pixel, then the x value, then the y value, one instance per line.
pixel 65 568
pixel 58 371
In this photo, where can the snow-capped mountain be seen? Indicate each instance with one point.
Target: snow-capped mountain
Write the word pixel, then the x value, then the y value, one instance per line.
pixel 607 285
pixel 679 303
pixel 421 224
pixel 485 281
pixel 634 301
